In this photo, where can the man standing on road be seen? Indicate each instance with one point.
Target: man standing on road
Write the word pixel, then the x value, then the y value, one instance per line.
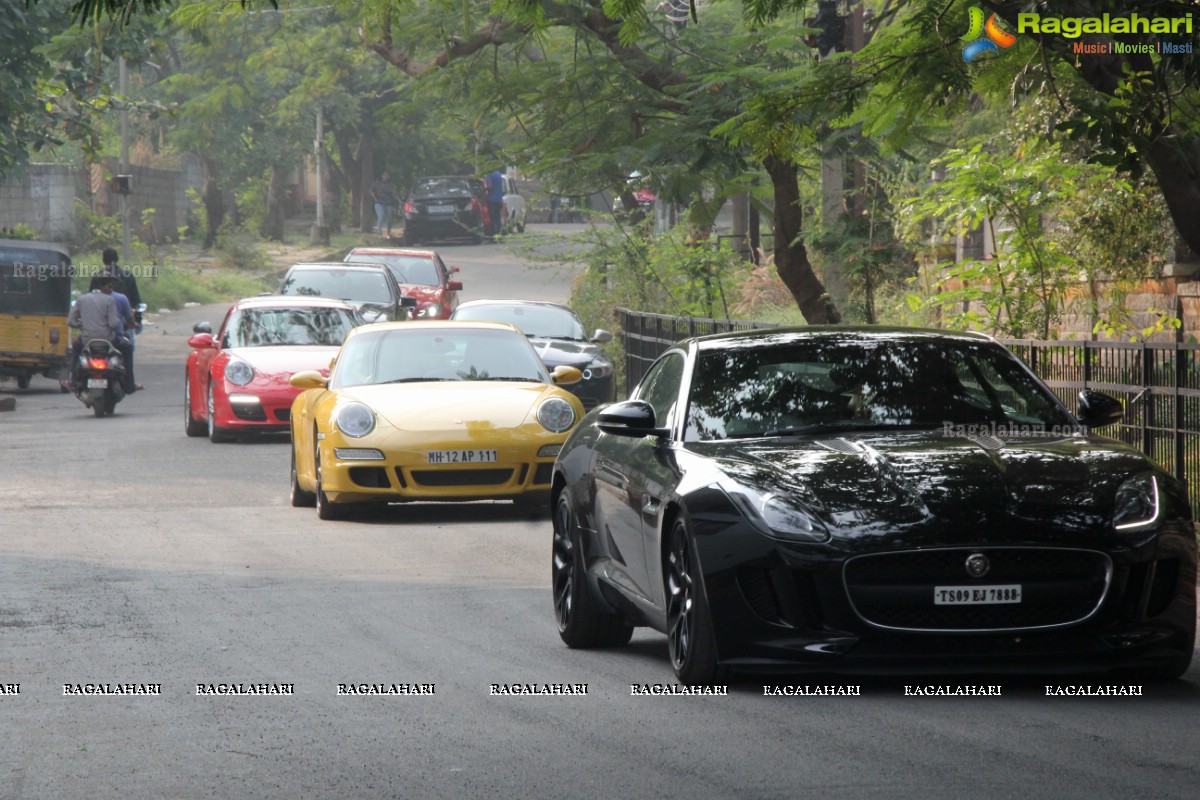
pixel 386 199
pixel 495 200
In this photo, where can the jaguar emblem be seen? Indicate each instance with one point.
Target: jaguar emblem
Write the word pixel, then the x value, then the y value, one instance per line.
pixel 978 565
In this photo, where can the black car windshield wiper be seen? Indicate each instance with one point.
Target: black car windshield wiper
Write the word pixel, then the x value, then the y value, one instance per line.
pixel 524 378
pixel 560 338
pixel 841 424
pixel 417 380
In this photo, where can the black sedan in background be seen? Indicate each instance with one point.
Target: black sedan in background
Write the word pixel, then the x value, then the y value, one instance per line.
pixel 869 501
pixel 559 339
pixel 443 208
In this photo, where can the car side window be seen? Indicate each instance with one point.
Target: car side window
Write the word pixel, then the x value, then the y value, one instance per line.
pixel 660 387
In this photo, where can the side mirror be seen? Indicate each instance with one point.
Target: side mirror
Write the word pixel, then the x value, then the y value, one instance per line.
pixel 630 418
pixel 202 327
pixel 202 341
pixel 309 379
pixel 601 336
pixel 453 270
pixel 408 302
pixel 1097 409
pixel 454 286
pixel 565 376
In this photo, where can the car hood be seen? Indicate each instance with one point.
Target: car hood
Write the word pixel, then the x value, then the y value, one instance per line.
pixel 966 486
pixel 559 352
pixel 285 360
pixel 423 292
pixel 438 406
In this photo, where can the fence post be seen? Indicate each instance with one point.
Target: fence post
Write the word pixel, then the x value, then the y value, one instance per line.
pixel 1087 363
pixel 1147 401
pixel 1177 426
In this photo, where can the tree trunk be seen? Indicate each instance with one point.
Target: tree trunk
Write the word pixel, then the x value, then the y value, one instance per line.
pixel 214 203
pixel 366 176
pixel 272 225
pixel 791 256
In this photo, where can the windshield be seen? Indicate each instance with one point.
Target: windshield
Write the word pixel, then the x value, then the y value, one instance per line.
pixel 768 388
pixel 34 280
pixel 442 187
pixel 356 286
pixel 546 322
pixel 412 270
pixel 436 354
pixel 268 327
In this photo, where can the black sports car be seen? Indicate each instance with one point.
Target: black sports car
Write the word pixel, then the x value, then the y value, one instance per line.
pixel 557 335
pixel 442 208
pixel 871 501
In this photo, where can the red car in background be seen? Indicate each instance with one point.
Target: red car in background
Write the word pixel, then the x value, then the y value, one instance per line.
pixel 239 380
pixel 421 274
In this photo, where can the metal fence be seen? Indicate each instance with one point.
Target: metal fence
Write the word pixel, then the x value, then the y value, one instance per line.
pixel 1158 383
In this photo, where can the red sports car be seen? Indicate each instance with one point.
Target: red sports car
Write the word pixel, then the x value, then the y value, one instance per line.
pixel 421 274
pixel 239 380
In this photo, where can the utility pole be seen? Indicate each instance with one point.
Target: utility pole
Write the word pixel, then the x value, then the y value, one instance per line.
pixel 122 83
pixel 320 231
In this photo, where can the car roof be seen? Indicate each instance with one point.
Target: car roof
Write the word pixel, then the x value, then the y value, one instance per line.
pixel 390 251
pixel 30 244
pixel 291 301
pixel 541 303
pixel 440 324
pixel 863 333
pixel 349 265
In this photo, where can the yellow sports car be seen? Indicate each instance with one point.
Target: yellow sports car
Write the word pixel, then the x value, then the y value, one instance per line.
pixel 430 411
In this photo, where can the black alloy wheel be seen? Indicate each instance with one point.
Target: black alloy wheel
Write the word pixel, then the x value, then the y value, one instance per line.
pixel 191 426
pixel 581 622
pixel 690 639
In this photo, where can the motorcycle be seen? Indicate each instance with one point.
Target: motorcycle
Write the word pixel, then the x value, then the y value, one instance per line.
pixel 100 376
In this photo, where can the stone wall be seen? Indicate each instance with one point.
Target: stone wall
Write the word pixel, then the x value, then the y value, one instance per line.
pixel 163 190
pixel 43 198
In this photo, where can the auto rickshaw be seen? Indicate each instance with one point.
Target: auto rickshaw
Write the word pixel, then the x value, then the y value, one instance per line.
pixel 35 298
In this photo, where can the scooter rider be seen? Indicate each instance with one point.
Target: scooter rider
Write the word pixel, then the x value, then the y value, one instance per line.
pixel 97 316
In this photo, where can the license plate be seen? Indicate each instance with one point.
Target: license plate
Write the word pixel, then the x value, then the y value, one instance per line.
pixel 462 456
pixel 440 209
pixel 97 383
pixel 976 595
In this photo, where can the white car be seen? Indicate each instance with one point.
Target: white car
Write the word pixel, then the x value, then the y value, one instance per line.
pixel 514 207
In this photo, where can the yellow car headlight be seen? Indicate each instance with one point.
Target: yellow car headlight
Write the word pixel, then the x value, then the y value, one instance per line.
pixel 556 415
pixel 355 419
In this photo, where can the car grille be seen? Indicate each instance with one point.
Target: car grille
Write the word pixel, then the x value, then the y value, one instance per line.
pixel 252 412
pixel 1058 587
pixel 461 477
pixel 283 414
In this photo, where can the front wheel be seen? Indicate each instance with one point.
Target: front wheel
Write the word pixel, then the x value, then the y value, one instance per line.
pixel 326 509
pixel 581 620
pixel 191 426
pixel 301 498
pixel 216 434
pixel 690 639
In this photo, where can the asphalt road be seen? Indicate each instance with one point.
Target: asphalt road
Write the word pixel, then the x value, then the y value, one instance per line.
pixel 131 554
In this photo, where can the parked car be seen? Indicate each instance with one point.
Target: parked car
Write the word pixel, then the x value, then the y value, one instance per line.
pixel 371 288
pixel 558 336
pixel 514 207
pixel 444 207
pixel 421 274
pixel 438 410
pixel 869 500
pixel 237 381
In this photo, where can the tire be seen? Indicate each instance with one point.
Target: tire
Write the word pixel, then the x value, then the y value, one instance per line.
pixel 216 435
pixel 97 398
pixel 300 498
pixel 690 640
pixel 110 402
pixel 191 427
pixel 23 381
pixel 581 622
pixel 326 509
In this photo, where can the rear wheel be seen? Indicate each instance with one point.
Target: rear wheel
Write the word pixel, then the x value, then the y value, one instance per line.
pixel 191 426
pixel 22 381
pixel 300 498
pixel 216 434
pixel 690 639
pixel 97 398
pixel 110 402
pixel 581 620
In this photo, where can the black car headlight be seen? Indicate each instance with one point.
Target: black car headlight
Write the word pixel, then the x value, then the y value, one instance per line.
pixel 239 373
pixel 429 311
pixel 598 370
pixel 780 516
pixel 1137 504
pixel 355 419
pixel 556 415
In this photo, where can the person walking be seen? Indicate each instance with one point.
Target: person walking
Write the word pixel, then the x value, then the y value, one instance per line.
pixel 386 199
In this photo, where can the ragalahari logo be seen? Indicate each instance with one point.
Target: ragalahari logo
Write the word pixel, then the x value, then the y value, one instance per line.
pixel 984 37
